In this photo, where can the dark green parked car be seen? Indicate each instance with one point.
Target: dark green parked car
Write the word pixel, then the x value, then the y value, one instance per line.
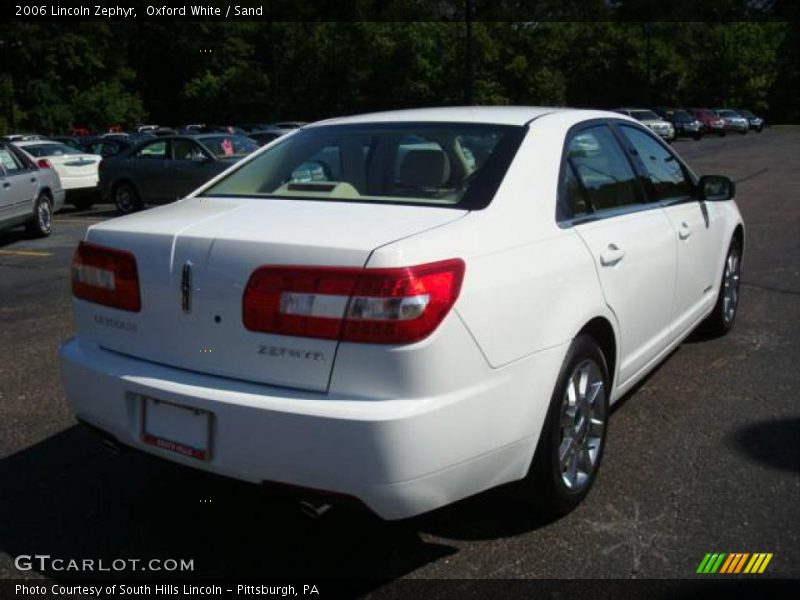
pixel 164 169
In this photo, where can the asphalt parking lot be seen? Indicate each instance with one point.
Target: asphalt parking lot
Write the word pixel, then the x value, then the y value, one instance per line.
pixel 704 456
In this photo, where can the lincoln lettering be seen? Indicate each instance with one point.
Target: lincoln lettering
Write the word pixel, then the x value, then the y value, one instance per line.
pixel 290 353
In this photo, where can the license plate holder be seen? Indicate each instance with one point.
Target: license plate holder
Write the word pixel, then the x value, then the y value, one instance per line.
pixel 177 428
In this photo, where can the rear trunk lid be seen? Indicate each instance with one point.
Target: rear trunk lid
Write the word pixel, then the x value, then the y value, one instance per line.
pixel 75 165
pixel 221 242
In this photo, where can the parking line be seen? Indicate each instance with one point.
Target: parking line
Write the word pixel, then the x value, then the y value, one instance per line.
pixel 24 253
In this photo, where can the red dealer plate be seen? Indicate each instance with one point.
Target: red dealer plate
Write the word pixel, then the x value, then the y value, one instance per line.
pixel 180 429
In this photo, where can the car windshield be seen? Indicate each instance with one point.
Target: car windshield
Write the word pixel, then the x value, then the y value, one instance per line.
pixel 644 115
pixel 682 115
pixel 747 113
pixel 727 113
pixel 53 149
pixel 229 146
pixel 448 164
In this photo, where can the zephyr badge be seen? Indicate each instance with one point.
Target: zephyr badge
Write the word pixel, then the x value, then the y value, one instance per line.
pixel 186 287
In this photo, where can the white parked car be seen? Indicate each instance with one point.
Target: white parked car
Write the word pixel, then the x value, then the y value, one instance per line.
pixel 406 332
pixel 77 170
pixel 29 195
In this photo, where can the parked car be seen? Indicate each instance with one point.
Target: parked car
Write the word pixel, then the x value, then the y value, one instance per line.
pixel 685 123
pixel 479 338
pixel 289 124
pixel 22 137
pixel 662 128
pixel 76 169
pixel 69 140
pixel 756 123
pixel 265 136
pixel 107 145
pixel 29 195
pixel 165 169
pixel 733 120
pixel 709 120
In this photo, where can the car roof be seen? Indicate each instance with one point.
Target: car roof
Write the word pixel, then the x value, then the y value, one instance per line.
pixel 498 115
pixel 23 143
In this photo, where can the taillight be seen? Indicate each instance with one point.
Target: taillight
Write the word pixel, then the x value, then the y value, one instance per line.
pixel 106 276
pixel 375 306
pixel 43 163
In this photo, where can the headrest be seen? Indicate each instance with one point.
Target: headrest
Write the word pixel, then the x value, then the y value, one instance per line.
pixel 424 168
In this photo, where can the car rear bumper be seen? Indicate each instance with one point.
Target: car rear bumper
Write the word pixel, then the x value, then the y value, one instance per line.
pixel 399 457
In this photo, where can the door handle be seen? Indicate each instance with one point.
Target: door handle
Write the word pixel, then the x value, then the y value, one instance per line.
pixel 33 179
pixel 684 231
pixel 611 256
pixel 6 184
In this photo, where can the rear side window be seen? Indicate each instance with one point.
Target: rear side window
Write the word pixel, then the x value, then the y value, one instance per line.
pixel 156 150
pixel 666 178
pixel 602 169
pixel 10 162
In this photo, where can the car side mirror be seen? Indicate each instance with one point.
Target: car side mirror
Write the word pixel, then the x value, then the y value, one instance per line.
pixel 716 188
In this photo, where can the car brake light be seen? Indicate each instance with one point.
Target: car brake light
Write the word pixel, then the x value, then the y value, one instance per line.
pixel 374 306
pixel 106 276
pixel 43 163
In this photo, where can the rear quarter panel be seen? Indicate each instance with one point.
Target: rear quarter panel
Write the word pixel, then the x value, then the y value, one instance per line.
pixel 529 285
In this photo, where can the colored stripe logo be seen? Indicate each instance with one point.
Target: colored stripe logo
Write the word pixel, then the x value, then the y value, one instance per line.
pixel 734 563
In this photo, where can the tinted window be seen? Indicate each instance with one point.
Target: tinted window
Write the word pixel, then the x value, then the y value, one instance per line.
pixel 187 150
pixel 576 198
pixel 230 145
pixel 666 177
pixel 156 150
pixel 602 168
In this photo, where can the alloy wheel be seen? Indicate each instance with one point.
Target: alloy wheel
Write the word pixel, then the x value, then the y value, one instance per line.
pixel 583 421
pixel 730 286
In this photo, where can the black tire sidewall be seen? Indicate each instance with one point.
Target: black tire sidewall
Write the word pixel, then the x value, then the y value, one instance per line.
pixel 550 493
pixel 135 203
pixel 715 324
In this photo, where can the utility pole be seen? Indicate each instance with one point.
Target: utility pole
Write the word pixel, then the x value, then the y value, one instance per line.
pixel 469 84
pixel 648 28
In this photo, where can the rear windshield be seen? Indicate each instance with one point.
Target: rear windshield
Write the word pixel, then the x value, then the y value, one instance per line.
pixel 444 164
pixel 227 146
pixel 54 149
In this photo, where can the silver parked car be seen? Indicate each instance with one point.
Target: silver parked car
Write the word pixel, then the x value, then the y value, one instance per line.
pixel 29 195
pixel 664 129
pixel 733 120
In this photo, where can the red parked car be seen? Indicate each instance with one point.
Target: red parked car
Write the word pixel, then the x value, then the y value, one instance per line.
pixel 710 121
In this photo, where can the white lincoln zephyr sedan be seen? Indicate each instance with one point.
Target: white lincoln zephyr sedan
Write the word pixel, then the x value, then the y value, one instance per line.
pixel 404 308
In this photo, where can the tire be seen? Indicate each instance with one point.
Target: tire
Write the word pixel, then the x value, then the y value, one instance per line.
pixel 722 318
pixel 698 137
pixel 41 223
pixel 721 134
pixel 126 198
pixel 556 487
pixel 83 203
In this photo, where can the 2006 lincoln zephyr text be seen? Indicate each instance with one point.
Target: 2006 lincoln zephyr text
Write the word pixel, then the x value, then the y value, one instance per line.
pixel 406 308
